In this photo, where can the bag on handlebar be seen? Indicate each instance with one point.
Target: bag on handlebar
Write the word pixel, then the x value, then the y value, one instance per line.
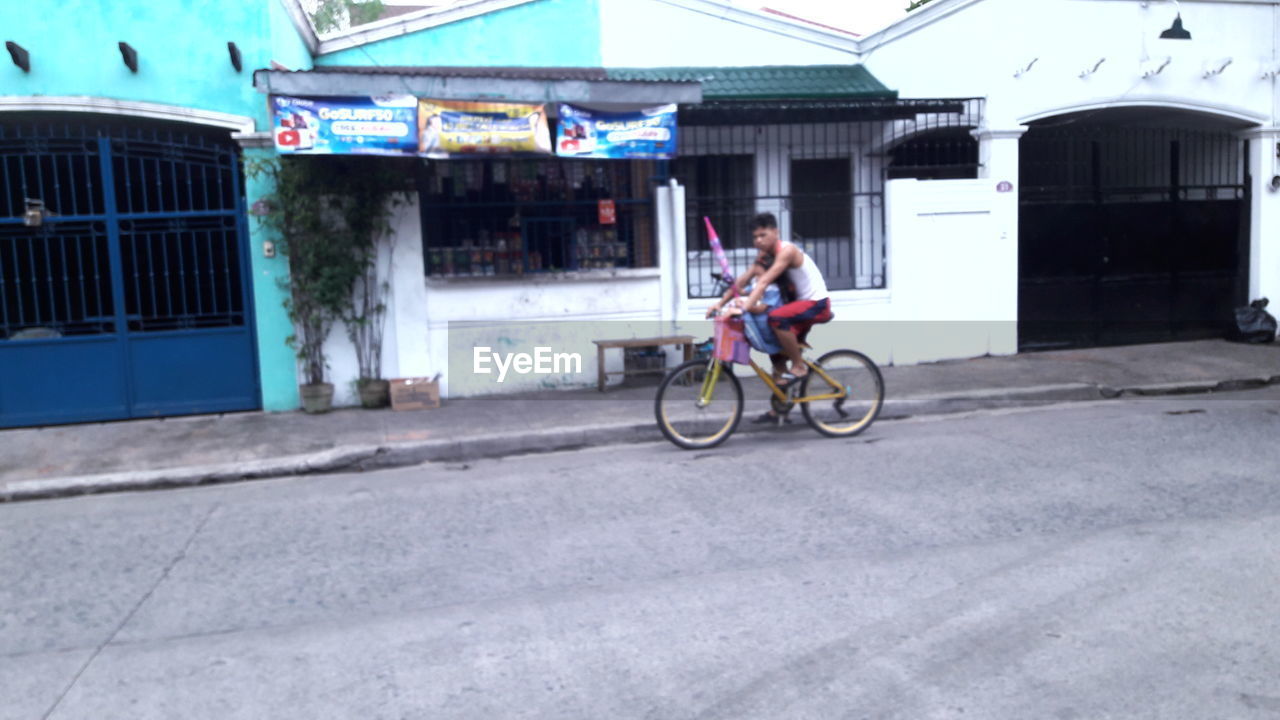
pixel 731 342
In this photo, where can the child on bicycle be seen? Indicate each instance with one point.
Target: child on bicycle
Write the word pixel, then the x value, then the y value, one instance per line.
pixel 756 319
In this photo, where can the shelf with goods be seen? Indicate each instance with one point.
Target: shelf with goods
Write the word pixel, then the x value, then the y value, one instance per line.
pixel 516 217
pixel 598 248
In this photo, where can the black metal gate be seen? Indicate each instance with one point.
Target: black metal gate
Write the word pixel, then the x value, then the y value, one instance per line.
pixel 1129 234
pixel 123 273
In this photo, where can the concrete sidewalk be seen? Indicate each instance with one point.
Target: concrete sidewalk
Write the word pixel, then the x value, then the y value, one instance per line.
pixel 74 459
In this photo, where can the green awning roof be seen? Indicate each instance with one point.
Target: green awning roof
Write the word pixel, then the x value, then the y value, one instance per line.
pixel 768 82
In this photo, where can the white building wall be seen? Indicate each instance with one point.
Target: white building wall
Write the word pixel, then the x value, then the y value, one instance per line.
pixel 982 48
pixel 1035 60
pixel 953 271
pixel 1264 243
pixel 563 312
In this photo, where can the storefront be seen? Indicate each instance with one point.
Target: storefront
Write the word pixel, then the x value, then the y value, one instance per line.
pixel 511 217
pixel 567 242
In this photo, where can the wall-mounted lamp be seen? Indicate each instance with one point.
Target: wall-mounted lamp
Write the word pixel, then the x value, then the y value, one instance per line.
pixel 20 56
pixel 1024 70
pixel 1215 67
pixel 130 56
pixel 1176 31
pixel 1091 70
pixel 1155 66
pixel 234 52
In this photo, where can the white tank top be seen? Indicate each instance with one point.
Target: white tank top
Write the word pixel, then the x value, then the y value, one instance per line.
pixel 807 279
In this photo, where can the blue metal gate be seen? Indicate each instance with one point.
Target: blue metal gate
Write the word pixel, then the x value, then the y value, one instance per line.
pixel 123 274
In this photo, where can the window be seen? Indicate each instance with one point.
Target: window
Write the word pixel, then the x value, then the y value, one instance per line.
pixel 722 188
pixel 822 204
pixel 820 192
pixel 517 216
pixel 946 154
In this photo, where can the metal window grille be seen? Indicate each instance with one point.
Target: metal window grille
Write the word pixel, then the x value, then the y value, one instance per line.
pixel 1114 163
pixel 166 202
pixel 820 168
pixel 518 216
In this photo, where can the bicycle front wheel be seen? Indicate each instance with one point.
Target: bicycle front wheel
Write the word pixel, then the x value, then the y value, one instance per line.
pixel 699 404
pixel 858 384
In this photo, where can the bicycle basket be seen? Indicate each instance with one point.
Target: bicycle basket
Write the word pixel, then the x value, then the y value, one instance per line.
pixel 731 341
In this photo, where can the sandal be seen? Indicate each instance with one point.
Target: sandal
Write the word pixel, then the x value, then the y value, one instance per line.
pixel 787 380
pixel 768 418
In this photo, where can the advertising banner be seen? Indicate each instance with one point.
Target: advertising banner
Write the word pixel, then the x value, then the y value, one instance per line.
pixel 648 133
pixel 456 128
pixel 345 125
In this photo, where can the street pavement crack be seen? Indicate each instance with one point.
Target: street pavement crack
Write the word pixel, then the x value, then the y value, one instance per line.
pixel 182 554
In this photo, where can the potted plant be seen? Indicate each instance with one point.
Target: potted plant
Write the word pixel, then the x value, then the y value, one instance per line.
pixel 364 329
pixel 329 213
pixel 367 218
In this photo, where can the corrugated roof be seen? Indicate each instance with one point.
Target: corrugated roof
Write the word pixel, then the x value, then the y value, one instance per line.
pixel 768 81
pixel 582 85
pixel 718 83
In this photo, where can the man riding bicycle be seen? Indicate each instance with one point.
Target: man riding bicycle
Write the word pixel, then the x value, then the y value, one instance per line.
pixel 792 321
pixel 699 403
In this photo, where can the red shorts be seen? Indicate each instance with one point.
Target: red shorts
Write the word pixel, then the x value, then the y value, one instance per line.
pixel 799 316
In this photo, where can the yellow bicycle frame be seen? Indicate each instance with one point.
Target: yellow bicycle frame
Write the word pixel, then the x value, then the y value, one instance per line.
pixel 709 383
pixel 713 376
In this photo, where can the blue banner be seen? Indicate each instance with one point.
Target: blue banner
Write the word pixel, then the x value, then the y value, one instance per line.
pixel 345 125
pixel 641 134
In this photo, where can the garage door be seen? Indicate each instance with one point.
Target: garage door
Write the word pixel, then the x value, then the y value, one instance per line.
pixel 1129 234
pixel 122 273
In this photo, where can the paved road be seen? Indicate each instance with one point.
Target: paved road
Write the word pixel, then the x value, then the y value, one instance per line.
pixel 1113 560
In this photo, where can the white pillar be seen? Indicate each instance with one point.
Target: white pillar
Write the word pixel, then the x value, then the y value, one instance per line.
pixel 679 255
pixel 998 163
pixel 665 224
pixel 1264 215
pixel 672 257
pixel 407 300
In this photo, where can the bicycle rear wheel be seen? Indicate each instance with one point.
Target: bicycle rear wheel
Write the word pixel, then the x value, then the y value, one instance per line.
pixel 862 399
pixel 699 404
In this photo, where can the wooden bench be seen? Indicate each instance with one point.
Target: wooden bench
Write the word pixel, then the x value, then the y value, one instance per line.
pixel 602 345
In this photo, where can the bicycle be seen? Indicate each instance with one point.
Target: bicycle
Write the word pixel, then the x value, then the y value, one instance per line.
pixel 699 403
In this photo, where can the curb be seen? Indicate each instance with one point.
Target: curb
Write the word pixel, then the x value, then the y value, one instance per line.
pixel 1207 386
pixel 967 401
pixel 378 457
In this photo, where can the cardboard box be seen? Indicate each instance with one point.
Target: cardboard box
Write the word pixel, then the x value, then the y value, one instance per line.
pixel 415 393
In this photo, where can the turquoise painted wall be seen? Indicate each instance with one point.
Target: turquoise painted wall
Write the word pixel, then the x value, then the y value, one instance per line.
pixel 182 61
pixel 277 363
pixel 548 33
pixel 182 50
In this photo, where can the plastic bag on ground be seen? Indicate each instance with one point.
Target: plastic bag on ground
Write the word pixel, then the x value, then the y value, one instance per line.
pixel 1254 324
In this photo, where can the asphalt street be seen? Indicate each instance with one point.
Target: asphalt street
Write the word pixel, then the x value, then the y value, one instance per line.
pixel 1094 560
